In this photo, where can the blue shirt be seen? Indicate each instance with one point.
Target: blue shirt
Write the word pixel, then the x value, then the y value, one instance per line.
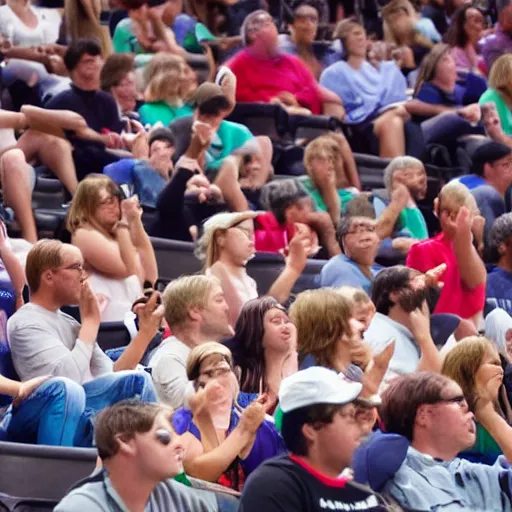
pixel 499 289
pixel 366 90
pixel 342 271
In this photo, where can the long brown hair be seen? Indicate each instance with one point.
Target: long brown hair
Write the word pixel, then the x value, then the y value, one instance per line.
pixel 86 200
pixel 429 66
pixel 248 340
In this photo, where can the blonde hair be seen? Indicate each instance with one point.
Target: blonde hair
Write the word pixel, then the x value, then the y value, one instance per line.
pixel 324 146
pixel 44 255
pixel 160 63
pixel 322 319
pixel 453 196
pixel 86 200
pixel 203 351
pixel 462 362
pixel 80 25
pixel 184 293
pixel 165 86
pixel 500 77
pixel 357 295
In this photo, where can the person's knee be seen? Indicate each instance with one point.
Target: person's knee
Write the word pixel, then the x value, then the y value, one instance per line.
pixel 62 387
pixel 13 160
pixel 135 384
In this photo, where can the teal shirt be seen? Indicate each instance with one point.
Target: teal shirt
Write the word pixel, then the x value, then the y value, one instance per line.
pixel 345 195
pixel 159 111
pixel 491 95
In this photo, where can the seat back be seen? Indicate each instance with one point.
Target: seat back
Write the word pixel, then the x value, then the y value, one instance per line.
pixel 175 258
pixel 113 335
pixel 37 471
pixel 261 119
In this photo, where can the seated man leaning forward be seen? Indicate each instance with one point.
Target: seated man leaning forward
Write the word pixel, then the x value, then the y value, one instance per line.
pixel 46 341
pixel 428 422
pixel 141 455
pixel 321 429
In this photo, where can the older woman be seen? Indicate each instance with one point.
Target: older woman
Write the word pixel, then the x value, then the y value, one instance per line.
pixel 475 365
pixel 368 94
pixel 466 30
pixel 224 433
pixel 500 93
pixel 117 251
pixel 264 346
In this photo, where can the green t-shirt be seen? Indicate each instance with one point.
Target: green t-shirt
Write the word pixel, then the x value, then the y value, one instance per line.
pixel 411 221
pixel 344 194
pixel 491 95
pixel 153 112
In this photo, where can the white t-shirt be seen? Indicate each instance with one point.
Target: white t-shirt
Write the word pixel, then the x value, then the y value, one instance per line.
pixel 15 31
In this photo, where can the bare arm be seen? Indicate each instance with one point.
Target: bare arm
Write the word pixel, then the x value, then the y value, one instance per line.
pixel 145 250
pixel 420 108
pixel 9 387
pixel 387 220
pixel 12 264
pixel 105 257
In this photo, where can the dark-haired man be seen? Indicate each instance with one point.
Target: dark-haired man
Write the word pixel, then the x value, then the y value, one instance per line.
pixel 428 422
pixel 84 62
pixel 321 430
pixel 400 298
pixel 141 455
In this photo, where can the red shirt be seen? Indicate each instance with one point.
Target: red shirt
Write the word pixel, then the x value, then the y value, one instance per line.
pixel 260 80
pixel 455 297
pixel 270 236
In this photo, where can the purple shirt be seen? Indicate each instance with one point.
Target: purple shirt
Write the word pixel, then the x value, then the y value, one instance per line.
pixel 495 45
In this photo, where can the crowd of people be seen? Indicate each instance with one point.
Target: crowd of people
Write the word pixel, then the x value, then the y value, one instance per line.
pixel 382 383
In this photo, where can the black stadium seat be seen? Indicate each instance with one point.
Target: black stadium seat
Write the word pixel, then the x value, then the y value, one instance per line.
pixel 36 471
pixel 174 258
pixel 113 335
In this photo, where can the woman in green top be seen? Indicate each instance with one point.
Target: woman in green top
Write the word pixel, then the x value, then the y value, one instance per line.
pixel 500 93
pixel 165 96
pixel 474 363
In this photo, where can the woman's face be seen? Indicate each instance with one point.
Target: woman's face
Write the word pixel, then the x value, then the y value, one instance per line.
pixel 239 241
pixel 446 70
pixel 280 335
pixel 189 82
pixel 356 42
pixel 489 375
pixel 108 211
pixel 216 375
pixel 474 25
pixel 305 24
pixel 125 93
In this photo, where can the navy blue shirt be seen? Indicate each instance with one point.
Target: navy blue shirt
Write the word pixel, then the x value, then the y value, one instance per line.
pixel 499 289
pixel 430 93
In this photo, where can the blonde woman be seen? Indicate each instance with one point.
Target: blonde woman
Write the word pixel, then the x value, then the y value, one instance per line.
pixel 475 365
pixel 500 93
pixel 83 22
pixel 165 95
pixel 117 251
pixel 224 432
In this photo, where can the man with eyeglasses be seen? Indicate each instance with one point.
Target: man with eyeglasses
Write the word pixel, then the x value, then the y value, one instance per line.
pixel 427 423
pixel 490 180
pixel 46 341
pixel 356 267
pixel 321 430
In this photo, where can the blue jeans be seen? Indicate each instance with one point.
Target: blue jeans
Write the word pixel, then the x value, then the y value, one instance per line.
pixel 50 415
pixel 446 128
pixel 108 390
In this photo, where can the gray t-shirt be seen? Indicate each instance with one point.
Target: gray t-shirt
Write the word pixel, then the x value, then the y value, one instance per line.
pixel 169 495
pixel 45 342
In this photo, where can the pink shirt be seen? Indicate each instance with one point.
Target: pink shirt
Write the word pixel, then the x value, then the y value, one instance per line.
pixel 455 297
pixel 260 80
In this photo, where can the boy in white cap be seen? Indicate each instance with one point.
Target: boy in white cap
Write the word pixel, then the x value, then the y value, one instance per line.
pixel 321 431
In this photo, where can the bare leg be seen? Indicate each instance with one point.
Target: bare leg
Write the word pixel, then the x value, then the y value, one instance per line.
pixel 266 151
pixel 53 152
pixel 227 181
pixel 389 129
pixel 17 193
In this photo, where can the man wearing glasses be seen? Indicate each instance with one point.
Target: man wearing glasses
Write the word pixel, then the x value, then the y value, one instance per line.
pixel 46 341
pixel 428 422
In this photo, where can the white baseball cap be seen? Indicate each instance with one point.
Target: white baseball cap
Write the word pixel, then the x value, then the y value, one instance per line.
pixel 316 385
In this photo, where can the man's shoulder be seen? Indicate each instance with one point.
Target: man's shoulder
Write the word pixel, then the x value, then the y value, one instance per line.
pixel 338 262
pixel 90 496
pixel 278 472
pixel 171 348
pixel 180 124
